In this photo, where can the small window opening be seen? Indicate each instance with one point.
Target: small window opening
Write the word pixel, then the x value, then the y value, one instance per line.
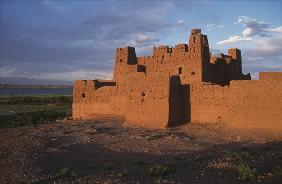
pixel 83 95
pixel 194 39
pixel 180 70
pixel 120 60
pixel 192 73
pixel 142 99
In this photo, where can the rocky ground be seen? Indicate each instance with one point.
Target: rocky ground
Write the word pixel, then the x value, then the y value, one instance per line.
pixel 106 150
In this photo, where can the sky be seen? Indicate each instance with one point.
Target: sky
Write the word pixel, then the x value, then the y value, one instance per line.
pixel 62 41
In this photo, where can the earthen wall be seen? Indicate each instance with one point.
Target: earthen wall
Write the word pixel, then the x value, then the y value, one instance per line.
pixel 243 104
pixel 180 85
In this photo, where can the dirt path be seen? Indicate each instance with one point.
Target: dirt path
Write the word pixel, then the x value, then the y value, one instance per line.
pixel 106 150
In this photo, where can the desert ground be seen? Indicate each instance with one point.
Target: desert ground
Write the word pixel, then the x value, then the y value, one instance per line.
pixel 107 150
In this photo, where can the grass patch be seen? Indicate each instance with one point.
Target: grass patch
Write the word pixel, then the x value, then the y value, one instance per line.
pixel 34 109
pixel 199 158
pixel 246 173
pixel 240 155
pixel 122 174
pixel 104 166
pixel 30 118
pixel 65 172
pixel 159 170
pixel 36 99
pixel 139 162
pixel 108 166
pixel 277 170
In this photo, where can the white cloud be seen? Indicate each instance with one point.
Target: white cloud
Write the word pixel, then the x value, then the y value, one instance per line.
pixel 213 26
pixel 256 27
pixel 233 39
pixel 180 22
pixel 142 42
pixel 266 46
pixel 62 76
pixel 264 50
pixel 74 75
pixel 7 71
pixel 277 29
pixel 144 38
pixel 248 32
pixel 253 28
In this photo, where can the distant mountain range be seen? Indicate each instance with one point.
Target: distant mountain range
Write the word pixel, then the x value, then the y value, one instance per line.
pixel 26 81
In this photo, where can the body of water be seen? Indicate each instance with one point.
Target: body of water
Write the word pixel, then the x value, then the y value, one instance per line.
pixel 35 91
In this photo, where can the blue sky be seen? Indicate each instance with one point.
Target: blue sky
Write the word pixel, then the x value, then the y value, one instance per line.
pixel 68 40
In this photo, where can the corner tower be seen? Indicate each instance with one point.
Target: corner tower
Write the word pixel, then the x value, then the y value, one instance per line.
pixel 199 57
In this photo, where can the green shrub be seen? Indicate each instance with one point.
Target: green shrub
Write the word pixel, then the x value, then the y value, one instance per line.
pixel 246 173
pixel 159 170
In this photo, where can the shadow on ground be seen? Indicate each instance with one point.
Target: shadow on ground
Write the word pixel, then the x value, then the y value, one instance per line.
pixel 99 152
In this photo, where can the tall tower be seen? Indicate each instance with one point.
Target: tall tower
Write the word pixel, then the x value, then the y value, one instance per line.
pixel 199 57
pixel 124 61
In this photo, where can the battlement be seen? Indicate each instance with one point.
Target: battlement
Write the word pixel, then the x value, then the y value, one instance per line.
pixel 180 48
pixel 160 50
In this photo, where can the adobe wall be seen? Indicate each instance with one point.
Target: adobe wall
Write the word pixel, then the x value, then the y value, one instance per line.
pixel 271 76
pixel 147 100
pixel 256 104
pixel 244 104
pixel 182 84
pixel 89 100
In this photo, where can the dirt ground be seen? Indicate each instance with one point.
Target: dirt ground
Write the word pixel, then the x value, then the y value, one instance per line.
pixel 107 150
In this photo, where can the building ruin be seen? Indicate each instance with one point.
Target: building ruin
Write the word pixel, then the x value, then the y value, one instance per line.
pixel 182 84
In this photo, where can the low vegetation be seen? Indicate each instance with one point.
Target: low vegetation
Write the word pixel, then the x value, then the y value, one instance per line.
pixel 65 172
pixel 239 155
pixel 246 173
pixel 277 170
pixel 18 111
pixel 159 170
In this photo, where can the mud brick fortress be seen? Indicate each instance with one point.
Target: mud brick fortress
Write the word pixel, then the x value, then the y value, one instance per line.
pixel 181 85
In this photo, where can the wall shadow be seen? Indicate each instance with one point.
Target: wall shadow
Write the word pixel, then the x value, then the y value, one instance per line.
pixel 179 102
